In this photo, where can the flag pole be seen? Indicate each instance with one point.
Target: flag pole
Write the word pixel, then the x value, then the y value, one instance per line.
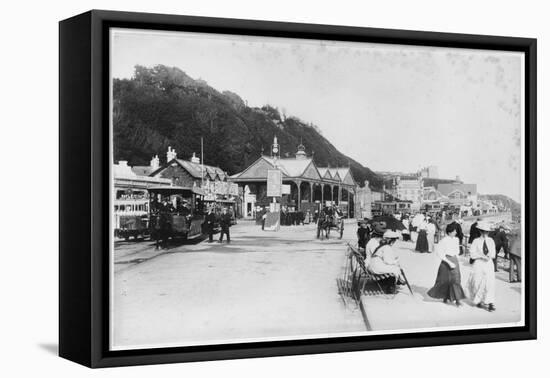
pixel 202 165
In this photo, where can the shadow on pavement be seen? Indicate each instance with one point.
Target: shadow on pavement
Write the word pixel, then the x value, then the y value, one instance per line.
pixel 423 292
pixel 51 348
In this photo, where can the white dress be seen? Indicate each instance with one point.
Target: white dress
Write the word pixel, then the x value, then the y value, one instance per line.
pixel 482 279
pixel 430 233
pixel 371 246
pixel 385 261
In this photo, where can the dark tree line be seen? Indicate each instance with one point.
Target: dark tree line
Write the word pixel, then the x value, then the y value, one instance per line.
pixel 162 106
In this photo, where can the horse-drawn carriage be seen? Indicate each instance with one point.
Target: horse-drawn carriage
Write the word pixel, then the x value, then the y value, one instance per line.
pixel 329 219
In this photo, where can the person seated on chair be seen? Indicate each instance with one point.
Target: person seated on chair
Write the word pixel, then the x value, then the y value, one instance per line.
pixel 375 238
pixel 384 260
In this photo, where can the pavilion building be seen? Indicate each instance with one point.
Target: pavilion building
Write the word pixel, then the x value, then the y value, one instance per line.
pixel 310 185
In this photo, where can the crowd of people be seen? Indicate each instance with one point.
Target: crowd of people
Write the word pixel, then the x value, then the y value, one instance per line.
pixel 289 216
pixel 218 218
pixel 376 242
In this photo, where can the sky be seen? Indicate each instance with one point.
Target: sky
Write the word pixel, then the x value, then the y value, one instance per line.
pixel 390 107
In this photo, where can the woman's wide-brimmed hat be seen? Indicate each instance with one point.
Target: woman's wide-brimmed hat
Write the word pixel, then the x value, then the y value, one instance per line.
pixel 391 234
pixel 484 226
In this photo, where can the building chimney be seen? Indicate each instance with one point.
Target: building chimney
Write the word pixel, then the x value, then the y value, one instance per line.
pixel 123 163
pixel 171 154
pixel 155 163
pixel 457 178
pixel 195 159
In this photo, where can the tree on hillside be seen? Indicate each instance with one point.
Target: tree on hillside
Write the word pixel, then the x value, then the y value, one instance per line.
pixel 162 106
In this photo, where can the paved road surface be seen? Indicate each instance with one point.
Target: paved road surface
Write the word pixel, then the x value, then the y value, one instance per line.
pixel 272 284
pixel 275 284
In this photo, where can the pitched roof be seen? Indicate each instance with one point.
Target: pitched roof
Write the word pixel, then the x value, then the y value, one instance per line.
pixel 342 175
pixel 294 168
pixel 324 172
pixel 334 173
pixel 195 169
pixel 291 167
pixel 346 176
pixel 142 170
pixel 447 189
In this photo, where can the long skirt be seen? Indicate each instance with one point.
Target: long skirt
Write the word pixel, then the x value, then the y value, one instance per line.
pixel 447 284
pixel 481 283
pixel 422 242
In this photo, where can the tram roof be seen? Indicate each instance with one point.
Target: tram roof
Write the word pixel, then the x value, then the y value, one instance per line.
pixel 176 189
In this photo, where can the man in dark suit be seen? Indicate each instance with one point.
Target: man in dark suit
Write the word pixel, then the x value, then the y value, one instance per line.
pixel 363 234
pixel 515 254
pixel 165 216
pixel 225 223
pixel 501 242
pixel 210 223
pixel 459 235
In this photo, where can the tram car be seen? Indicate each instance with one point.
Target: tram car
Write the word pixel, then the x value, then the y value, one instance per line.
pixel 175 212
pixel 131 214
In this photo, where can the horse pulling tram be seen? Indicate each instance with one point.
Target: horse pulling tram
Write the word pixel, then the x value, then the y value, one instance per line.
pixel 175 213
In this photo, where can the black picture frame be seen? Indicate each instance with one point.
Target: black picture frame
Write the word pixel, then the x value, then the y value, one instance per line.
pixel 84 188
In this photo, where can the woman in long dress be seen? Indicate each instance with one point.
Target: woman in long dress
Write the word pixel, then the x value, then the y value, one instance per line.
pixel 430 234
pixel 384 259
pixel 447 284
pixel 422 239
pixel 482 279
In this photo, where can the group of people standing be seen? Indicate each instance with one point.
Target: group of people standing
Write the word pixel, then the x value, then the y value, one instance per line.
pixel 484 244
pixel 481 283
pixel 292 218
pixel 224 220
pixel 423 231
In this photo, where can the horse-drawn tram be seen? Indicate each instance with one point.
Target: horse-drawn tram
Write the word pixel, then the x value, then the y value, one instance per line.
pixel 131 213
pixel 175 212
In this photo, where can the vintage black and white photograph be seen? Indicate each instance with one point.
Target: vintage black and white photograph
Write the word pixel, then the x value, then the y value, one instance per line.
pixel 269 188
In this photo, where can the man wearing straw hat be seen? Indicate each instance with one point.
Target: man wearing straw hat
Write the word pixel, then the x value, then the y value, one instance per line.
pixel 482 278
